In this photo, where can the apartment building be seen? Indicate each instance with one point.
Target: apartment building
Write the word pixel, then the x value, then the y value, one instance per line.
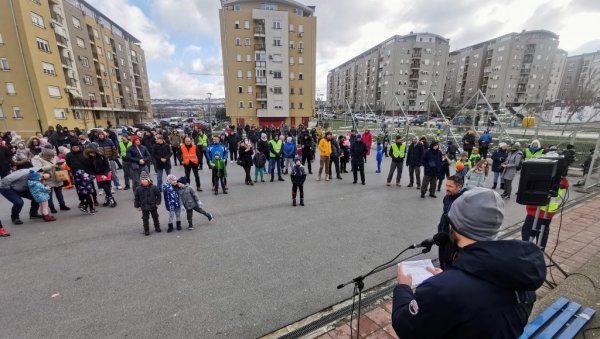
pixel 400 71
pixel 64 62
pixel 269 52
pixel 556 74
pixel 579 71
pixel 512 69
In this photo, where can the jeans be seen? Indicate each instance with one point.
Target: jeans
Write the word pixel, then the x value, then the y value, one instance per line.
pixel 529 231
pixel 431 181
pixel 59 197
pixel 192 168
pixel 159 174
pixel 259 171
pixel 496 176
pixel 393 167
pixel 174 212
pixel 16 198
pixel 412 172
pixel 289 163
pixel 115 177
pixel 272 164
pixel 146 219
pixel 324 162
pixel 358 168
pixel 336 162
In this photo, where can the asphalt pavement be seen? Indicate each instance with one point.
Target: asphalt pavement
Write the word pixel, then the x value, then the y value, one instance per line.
pixel 259 265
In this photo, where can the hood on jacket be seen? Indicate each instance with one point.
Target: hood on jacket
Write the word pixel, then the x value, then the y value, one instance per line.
pixel 30 141
pixel 535 141
pixel 511 264
pixel 433 143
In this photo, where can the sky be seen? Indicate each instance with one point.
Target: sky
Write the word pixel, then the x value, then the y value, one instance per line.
pixel 182 37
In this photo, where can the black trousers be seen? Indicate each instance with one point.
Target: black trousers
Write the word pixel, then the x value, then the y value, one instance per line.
pixel 176 155
pixel 336 162
pixel 233 154
pixel 216 179
pixel 295 189
pixel 248 178
pixel 307 156
pixel 414 171
pixel 358 168
pixel 430 181
pixel 189 213
pixel 192 168
pixel 146 219
pixel 105 186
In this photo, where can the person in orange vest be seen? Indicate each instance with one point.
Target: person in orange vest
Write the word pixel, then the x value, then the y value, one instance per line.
pixel 190 158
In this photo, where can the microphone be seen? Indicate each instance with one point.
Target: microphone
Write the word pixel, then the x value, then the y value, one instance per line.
pixel 439 239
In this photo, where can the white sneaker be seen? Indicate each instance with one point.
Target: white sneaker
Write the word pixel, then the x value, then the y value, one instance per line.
pixel 119 187
pixel 112 190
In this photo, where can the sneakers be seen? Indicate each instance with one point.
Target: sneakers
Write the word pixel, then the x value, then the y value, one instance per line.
pixel 433 195
pixel 3 232
pixel 210 217
pixel 100 193
pixel 319 178
pixel 199 189
pixel 53 210
pixel 281 179
pixel 388 184
pixel 399 185
pixel 190 227
pixel 64 208
pixel 17 221
pixel 126 188
pixel 326 178
pixel 92 212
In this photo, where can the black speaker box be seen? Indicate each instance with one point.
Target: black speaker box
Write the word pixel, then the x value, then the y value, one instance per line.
pixel 537 178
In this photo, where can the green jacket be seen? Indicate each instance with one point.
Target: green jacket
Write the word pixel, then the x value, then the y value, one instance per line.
pixel 203 140
pixel 123 148
pixel 220 168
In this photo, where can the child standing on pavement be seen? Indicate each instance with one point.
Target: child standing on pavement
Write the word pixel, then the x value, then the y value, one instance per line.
pixel 191 202
pixel 298 175
pixel 379 156
pixel 219 173
pixel 147 199
pixel 259 160
pixel 84 185
pixel 40 193
pixel 172 203
pixel 463 165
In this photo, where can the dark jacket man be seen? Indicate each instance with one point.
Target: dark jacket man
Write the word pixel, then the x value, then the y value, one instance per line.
pixel 76 160
pixel 414 155
pixel 161 151
pixel 432 161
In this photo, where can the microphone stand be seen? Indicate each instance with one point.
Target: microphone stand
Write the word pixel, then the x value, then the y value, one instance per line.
pixel 359 284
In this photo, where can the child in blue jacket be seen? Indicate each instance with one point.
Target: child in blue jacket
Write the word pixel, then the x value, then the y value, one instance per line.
pixel 172 203
pixel 379 157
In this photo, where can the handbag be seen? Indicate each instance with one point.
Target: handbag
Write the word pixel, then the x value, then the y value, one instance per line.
pixel 108 177
pixel 61 175
pixel 240 162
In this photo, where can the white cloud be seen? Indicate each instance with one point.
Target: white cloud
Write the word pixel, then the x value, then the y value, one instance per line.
pixel 154 41
pixel 188 17
pixel 192 50
pixel 177 83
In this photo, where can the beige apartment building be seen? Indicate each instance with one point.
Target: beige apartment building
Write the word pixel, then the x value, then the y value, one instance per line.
pixel 64 62
pixel 512 69
pixel 402 71
pixel 579 70
pixel 269 60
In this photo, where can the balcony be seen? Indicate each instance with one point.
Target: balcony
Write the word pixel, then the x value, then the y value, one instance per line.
pixel 56 17
pixel 415 65
pixel 414 76
pixel 259 31
pixel 72 82
pixel 261 96
pixel 61 41
pixel 134 59
pixel 259 47
pixel 261 112
pixel 66 62
pixel 487 70
pixel 416 55
pixel 260 64
pixel 261 81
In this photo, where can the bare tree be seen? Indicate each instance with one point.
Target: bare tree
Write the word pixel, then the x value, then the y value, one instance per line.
pixel 586 94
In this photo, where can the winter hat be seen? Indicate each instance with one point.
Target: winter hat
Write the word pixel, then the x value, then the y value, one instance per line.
pixel 289 139
pixel 145 176
pixel 502 144
pixel 263 136
pixel 33 175
pixel 134 138
pixel 182 180
pixel 297 158
pixel 171 177
pixel 92 146
pixel 75 143
pixel 477 214
pixel 516 146
pixel 48 153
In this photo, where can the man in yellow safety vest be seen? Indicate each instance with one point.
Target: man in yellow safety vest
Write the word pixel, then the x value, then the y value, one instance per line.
pixel 397 152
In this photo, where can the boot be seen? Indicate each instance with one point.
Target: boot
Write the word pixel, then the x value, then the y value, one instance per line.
pixel 501 186
pixel 53 210
pixel 494 186
pixel 113 202
pixel 64 208
pixel 106 202
pixel 170 229
pixel 272 177
pixel 178 224
pixel 157 228
pixel 48 217
pixel 294 202
pixel 301 201
pixel 16 221
pixel 280 179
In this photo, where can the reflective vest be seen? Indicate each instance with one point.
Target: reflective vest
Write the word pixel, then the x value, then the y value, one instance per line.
pixel 123 148
pixel 276 147
pixel 531 155
pixel 466 163
pixel 398 151
pixel 189 155
pixel 203 140
pixel 555 202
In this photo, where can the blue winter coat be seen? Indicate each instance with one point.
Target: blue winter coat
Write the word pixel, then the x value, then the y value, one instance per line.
pixel 39 191
pixel 487 292
pixel 379 156
pixel 432 162
pixel 289 150
pixel 171 197
pixel 498 157
pixel 217 148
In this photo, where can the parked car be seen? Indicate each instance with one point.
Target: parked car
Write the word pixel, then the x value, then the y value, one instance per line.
pixel 419 120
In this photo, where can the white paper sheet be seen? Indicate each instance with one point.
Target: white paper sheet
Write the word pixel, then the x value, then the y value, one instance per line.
pixel 418 270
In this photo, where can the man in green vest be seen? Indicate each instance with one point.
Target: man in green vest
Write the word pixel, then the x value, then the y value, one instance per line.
pixel 397 152
pixel 202 144
pixel 534 150
pixel 124 144
pixel 275 156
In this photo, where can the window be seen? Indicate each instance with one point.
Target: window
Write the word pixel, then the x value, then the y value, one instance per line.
pixel 300 60
pixel 291 27
pixel 300 77
pixel 249 89
pixel 277 42
pixel 59 113
pixel 300 45
pixel 291 44
pixel 107 41
pixel 249 74
pixel 84 61
pixel 300 28
pixel 4 64
pixel 248 58
pixel 300 105
pixel 17 112
pixel 299 12
pixel 43 45
pixel 247 42
pixel 246 24
pixel 80 42
pixel 54 91
pixel 239 73
pixel 87 79
pixel 120 47
pixel 250 104
pixel 240 89
pixel 277 90
pixel 292 105
pixel 48 68
pixel 2 113
pixel 122 62
pixel 236 7
pixel 37 20
pixel 92 96
pixel 238 58
pixel 291 60
pixel 291 75
pixel 76 22
pixel 99 50
pixel 237 24
pixel 10 88
pixel 291 90
pixel 1 40
pixel 276 24
pixel 238 41
pixel 241 104
pixel 277 74
pixel 300 91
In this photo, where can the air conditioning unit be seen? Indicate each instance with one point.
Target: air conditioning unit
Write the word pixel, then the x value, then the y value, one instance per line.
pixel 300 50
pixel 300 34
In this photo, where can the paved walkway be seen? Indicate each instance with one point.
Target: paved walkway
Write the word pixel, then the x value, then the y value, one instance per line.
pixel 578 243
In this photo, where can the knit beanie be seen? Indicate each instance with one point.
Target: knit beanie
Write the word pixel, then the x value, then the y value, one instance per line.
pixel 171 177
pixel 477 214
pixel 144 176
pixel 48 153
pixel 75 143
pixel 182 180
pixel 92 145
pixel 33 175
pixel 297 158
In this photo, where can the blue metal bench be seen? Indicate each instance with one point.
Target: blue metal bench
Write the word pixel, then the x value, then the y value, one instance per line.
pixel 562 319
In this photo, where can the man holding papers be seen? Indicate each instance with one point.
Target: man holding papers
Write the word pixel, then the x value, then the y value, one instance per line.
pixel 486 292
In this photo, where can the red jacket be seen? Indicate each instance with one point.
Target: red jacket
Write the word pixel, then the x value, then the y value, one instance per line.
pixel 368 140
